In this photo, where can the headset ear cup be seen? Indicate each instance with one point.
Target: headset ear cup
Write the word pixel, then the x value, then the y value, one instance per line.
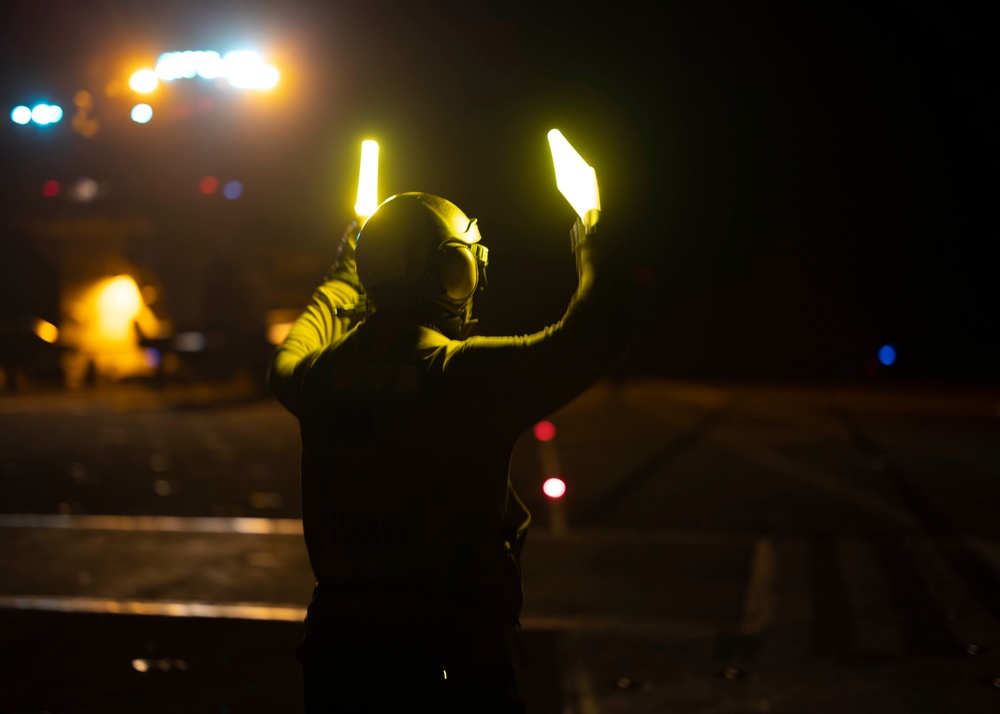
pixel 457 271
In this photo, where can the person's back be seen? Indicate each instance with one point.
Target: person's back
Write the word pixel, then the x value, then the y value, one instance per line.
pixel 413 530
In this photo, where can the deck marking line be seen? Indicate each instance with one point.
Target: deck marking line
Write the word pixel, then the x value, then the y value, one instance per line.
pixel 162 524
pixel 759 603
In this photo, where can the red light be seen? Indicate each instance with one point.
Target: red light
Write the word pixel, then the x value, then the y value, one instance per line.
pixel 554 488
pixel 50 188
pixel 545 431
pixel 208 185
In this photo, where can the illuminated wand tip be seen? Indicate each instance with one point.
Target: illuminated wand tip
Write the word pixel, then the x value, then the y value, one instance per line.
pixel 575 178
pixel 367 181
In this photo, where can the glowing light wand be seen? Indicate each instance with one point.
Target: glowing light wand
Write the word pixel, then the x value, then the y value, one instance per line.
pixel 576 180
pixel 367 181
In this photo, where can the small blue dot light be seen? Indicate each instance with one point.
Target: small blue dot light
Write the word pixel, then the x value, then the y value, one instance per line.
pixel 887 355
pixel 232 190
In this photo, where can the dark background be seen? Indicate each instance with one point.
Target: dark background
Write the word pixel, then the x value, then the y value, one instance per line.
pixel 799 183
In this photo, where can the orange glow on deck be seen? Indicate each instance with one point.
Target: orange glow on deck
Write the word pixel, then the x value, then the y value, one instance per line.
pixel 46 331
pixel 118 303
pixel 106 321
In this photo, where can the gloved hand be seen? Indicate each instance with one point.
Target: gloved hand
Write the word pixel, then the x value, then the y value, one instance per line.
pixel 577 236
pixel 345 267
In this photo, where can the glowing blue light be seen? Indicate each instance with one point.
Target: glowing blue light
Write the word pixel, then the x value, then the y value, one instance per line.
pixel 887 355
pixel 243 68
pixel 142 113
pixel 20 115
pixel 152 356
pixel 42 114
pixel 210 65
pixel 55 113
pixel 232 190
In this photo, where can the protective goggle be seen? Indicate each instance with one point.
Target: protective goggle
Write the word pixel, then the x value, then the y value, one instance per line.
pixel 462 269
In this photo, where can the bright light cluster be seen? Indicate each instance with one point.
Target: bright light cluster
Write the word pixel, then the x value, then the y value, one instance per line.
pixel 554 487
pixel 144 81
pixel 243 69
pixel 41 114
pixel 141 113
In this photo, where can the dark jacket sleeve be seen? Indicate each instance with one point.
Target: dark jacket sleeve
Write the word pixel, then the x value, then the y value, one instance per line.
pixel 317 327
pixel 320 325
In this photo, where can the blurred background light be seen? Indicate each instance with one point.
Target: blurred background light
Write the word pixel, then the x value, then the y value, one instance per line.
pixel 40 114
pixel 208 185
pixel 119 301
pixel 887 355
pixel 267 77
pixel 103 323
pixel 232 190
pixel 142 113
pixel 144 81
pixel 277 332
pixel 243 68
pixel 50 188
pixel 176 65
pixel 43 114
pixel 84 190
pixel 190 341
pixel 46 331
pixel 210 65
pixel 545 431
pixel 279 323
pixel 20 115
pixel 554 487
pixel 246 70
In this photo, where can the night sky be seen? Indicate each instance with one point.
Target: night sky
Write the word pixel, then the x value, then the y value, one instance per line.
pixel 798 183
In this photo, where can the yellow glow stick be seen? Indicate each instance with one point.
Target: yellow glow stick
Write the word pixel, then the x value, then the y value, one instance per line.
pixel 367 181
pixel 576 179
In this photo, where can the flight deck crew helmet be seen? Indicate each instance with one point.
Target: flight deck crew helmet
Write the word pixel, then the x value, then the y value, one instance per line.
pixel 417 245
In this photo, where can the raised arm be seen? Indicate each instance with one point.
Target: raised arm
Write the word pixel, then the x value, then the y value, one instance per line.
pixel 521 379
pixel 326 318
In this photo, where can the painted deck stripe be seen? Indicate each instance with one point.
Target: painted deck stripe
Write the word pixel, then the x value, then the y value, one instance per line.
pixel 163 524
pixel 759 603
pixel 296 613
pixel 293 526
pixel 107 606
